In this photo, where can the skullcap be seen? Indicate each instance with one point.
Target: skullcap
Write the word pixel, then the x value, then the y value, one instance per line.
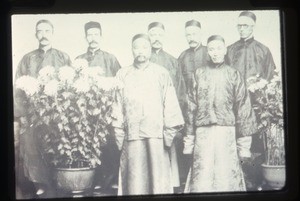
pixel 156 24
pixel 193 23
pixel 248 14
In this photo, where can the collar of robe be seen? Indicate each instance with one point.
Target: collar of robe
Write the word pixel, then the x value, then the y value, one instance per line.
pixel 215 65
pixel 41 50
pixel 247 41
pixel 93 52
pixel 156 51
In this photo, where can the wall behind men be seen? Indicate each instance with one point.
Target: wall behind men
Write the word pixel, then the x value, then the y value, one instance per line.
pixel 119 28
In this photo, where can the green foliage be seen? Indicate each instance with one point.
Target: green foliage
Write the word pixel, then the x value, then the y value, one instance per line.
pixel 267 101
pixel 75 113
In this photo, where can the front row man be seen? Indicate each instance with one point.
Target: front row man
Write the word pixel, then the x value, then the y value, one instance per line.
pixel 147 116
pixel 220 119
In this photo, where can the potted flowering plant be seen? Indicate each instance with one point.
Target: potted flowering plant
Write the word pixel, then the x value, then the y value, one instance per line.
pixel 73 106
pixel 267 101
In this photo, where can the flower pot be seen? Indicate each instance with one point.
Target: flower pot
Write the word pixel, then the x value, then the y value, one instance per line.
pixel 274 175
pixel 74 180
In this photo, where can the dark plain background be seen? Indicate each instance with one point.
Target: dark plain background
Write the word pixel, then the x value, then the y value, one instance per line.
pixel 290 54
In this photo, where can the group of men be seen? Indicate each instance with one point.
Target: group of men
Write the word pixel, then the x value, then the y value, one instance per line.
pixel 177 122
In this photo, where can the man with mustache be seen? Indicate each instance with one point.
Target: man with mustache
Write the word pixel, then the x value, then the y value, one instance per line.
pixel 220 118
pixel 94 55
pixel 147 116
pixel 194 57
pixel 106 174
pixel 34 168
pixel 156 32
pixel 251 58
pixel 191 59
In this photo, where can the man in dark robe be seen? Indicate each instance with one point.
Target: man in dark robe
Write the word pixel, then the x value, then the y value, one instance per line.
pixel 251 58
pixel 147 116
pixel 34 167
pixel 106 174
pixel 156 32
pixel 190 60
pixel 194 57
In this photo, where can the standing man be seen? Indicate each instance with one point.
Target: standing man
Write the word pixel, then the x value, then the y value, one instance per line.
pixel 147 116
pixel 194 57
pixel 156 32
pixel 251 58
pixel 220 121
pixel 34 167
pixel 190 60
pixel 107 173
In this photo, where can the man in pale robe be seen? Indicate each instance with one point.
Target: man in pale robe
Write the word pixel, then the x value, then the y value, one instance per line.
pixel 219 125
pixel 147 116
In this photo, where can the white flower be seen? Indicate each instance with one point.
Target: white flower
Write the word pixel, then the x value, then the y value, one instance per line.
pixel 28 84
pixel 51 88
pixel 47 71
pixel 82 85
pixel 262 83
pixel 46 74
pixel 66 73
pixel 92 72
pixel 80 64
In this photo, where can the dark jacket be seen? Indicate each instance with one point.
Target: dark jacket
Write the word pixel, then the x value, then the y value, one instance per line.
pixel 219 97
pixel 105 60
pixel 250 58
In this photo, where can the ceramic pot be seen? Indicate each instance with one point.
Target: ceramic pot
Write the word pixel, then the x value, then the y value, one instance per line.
pixel 274 175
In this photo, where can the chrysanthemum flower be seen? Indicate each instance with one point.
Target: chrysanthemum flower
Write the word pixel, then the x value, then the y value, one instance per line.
pixel 66 73
pixel 28 84
pixel 51 88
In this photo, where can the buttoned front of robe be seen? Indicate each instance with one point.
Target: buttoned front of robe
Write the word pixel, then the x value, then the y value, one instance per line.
pixel 148 115
pixel 190 60
pixel 219 97
pixel 251 58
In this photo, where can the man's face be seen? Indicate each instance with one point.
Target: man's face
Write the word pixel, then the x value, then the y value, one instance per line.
pixel 93 37
pixel 245 27
pixel 217 51
pixel 193 36
pixel 44 34
pixel 156 35
pixel 141 49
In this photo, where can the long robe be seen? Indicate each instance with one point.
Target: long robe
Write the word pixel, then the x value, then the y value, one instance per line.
pixel 34 166
pixel 219 112
pixel 164 59
pixel 252 58
pixel 148 114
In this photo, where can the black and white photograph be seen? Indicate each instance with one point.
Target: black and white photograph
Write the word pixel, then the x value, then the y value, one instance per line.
pixel 148 103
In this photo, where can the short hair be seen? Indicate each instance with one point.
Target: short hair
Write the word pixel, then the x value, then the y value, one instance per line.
pixel 156 24
pixel 193 23
pixel 248 14
pixel 215 37
pixel 141 35
pixel 92 24
pixel 46 22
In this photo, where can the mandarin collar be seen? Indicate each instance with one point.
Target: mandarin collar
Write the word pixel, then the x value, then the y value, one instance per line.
pixel 93 52
pixel 44 51
pixel 215 66
pixel 247 41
